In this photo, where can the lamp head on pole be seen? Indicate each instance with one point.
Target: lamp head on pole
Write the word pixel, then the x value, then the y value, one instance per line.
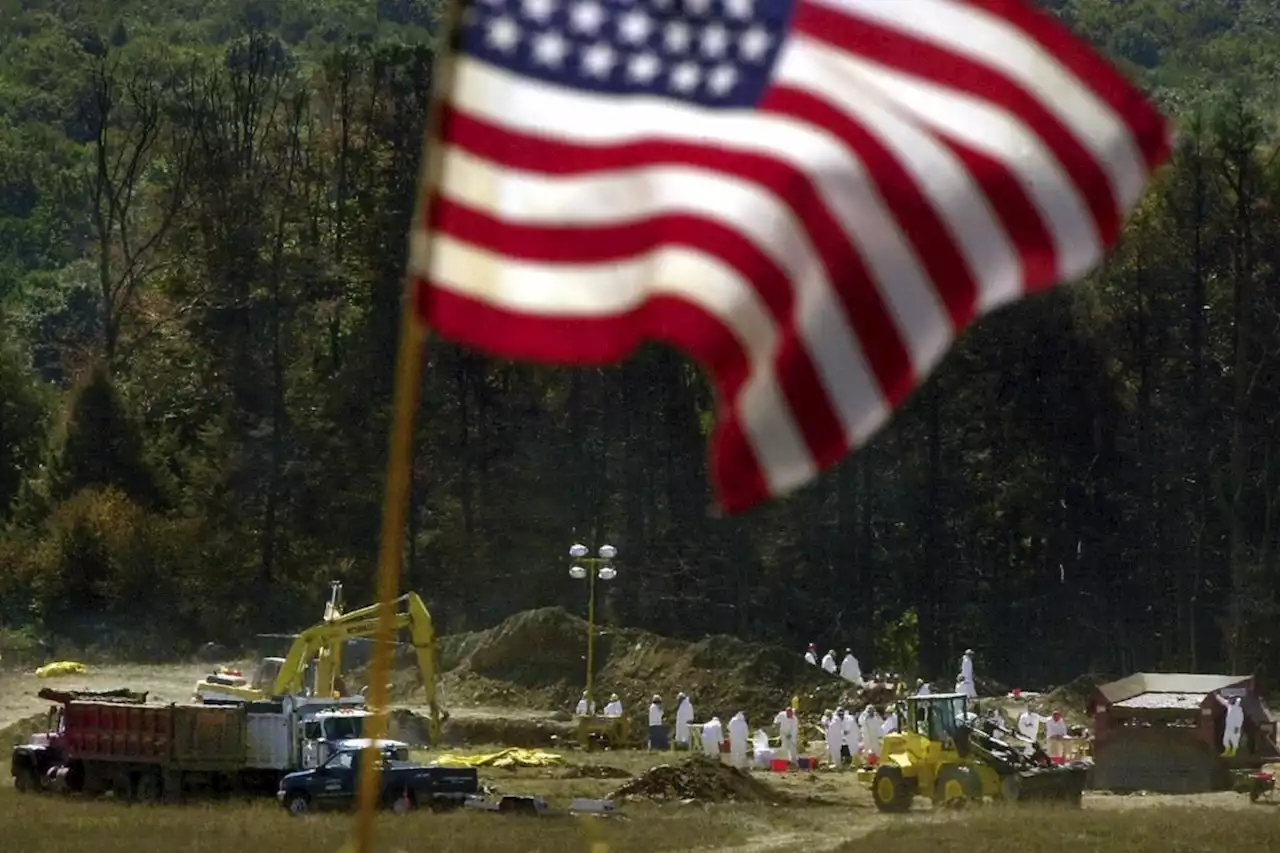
pixel 608 552
pixel 577 551
pixel 607 573
pixel 577 573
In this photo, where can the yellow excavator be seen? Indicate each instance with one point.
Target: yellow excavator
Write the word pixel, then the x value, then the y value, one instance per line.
pixel 318 651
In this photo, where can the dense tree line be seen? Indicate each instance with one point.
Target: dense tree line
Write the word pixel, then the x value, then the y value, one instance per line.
pixel 203 211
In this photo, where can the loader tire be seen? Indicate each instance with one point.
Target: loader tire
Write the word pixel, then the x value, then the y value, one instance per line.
pixel 957 787
pixel 890 790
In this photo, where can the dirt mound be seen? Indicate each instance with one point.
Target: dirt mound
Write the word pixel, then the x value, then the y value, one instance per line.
pixel 537 659
pixel 700 779
pixel 22 730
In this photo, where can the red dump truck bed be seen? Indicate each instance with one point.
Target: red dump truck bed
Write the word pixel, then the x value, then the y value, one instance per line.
pixel 196 737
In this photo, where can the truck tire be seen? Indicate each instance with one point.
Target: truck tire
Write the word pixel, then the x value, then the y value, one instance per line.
pixel 298 804
pixel 24 779
pixel 149 789
pixel 403 803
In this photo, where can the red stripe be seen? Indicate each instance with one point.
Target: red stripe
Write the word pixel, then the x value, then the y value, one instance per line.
pixel 865 310
pixel 597 244
pixel 944 68
pixel 1148 127
pixel 919 222
pixel 735 473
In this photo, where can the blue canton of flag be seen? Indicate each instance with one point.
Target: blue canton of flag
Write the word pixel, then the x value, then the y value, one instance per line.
pixel 714 53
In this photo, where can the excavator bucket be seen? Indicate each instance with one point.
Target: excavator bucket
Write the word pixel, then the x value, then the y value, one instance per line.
pixel 1058 783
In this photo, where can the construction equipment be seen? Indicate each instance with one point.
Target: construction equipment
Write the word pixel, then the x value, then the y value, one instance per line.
pixel 117 742
pixel 318 651
pixel 940 752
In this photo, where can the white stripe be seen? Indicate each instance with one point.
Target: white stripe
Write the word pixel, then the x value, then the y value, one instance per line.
pixel 891 102
pixel 601 290
pixel 991 41
pixel 936 172
pixel 532 108
pixel 842 181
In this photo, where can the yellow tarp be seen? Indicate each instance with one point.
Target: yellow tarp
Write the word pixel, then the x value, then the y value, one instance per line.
pixel 62 667
pixel 512 757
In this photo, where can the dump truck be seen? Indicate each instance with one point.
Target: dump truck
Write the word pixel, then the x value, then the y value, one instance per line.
pixel 941 753
pixel 151 752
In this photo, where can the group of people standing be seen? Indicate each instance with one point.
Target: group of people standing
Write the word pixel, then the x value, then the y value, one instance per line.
pixel 850 670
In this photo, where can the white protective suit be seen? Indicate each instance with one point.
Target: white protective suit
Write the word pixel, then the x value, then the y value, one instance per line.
pixel 789 735
pixel 852 736
pixel 684 716
pixel 829 661
pixel 890 724
pixel 965 683
pixel 849 669
pixel 614 708
pixel 584 707
pixel 871 721
pixel 739 731
pixel 1233 725
pixel 1029 725
pixel 712 737
pixel 811 656
pixel 835 739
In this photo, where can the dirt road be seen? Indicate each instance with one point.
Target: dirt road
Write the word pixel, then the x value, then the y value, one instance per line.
pixel 173 683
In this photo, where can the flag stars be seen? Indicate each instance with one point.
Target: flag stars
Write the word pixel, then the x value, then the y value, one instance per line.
pixel 685 77
pixel 587 16
pixel 714 53
pixel 598 60
pixel 538 10
pixel 503 34
pixel 754 44
pixel 634 27
pixel 550 49
pixel 677 37
pixel 643 68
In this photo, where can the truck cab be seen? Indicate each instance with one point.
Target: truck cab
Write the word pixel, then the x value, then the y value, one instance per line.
pixel 403 784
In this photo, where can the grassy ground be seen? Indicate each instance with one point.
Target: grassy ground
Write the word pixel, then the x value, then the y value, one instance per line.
pixel 1162 829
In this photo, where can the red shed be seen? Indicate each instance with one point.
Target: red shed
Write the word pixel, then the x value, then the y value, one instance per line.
pixel 1163 731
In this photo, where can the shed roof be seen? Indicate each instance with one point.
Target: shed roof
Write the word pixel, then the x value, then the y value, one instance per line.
pixel 1195 684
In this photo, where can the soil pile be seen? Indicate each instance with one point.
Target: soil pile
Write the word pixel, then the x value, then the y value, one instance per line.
pixel 22 730
pixel 700 779
pixel 537 659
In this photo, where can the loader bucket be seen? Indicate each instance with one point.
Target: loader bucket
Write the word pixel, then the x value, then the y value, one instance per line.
pixel 1060 784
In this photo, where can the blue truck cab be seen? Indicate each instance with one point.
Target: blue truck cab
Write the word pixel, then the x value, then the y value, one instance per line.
pixel 403 784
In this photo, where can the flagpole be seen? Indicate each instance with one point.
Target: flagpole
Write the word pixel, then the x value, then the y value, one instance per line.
pixel 405 399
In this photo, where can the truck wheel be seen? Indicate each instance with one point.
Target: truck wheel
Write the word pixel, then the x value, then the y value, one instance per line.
pixel 149 789
pixel 24 779
pixel 298 804
pixel 403 803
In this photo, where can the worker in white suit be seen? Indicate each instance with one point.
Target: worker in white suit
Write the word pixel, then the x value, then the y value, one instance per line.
pixel 811 655
pixel 712 737
pixel 829 662
pixel 835 738
pixel 849 669
pixel 585 707
pixel 789 734
pixel 1234 725
pixel 739 731
pixel 684 716
pixel 852 735
pixel 657 731
pixel 1029 724
pixel 614 706
pixel 965 684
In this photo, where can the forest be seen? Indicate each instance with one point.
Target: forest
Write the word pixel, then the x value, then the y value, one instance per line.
pixel 203 212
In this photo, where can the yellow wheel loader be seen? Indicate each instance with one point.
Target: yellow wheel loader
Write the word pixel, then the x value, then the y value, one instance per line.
pixel 939 752
pixel 318 650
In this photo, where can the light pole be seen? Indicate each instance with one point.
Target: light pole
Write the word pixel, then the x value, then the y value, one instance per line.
pixel 590 568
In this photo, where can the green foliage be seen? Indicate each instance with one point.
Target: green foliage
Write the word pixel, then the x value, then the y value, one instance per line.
pixel 210 200
pixel 99 444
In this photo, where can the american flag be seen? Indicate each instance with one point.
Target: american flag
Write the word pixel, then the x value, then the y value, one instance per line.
pixel 812 198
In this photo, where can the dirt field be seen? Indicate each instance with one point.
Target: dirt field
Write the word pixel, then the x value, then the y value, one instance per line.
pixel 18 688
